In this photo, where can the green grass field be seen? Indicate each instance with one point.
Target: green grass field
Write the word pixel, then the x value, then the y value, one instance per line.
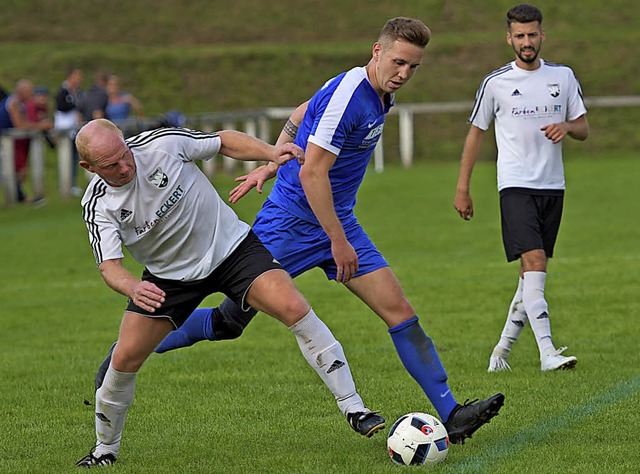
pixel 253 405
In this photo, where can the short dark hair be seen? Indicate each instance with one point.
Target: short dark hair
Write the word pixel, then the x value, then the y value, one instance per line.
pixel 523 13
pixel 407 29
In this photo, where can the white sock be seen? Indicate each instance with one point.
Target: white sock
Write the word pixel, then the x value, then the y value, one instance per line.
pixel 112 402
pixel 537 309
pixel 516 321
pixel 324 353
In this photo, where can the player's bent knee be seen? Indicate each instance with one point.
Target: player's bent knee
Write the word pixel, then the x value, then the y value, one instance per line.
pixel 292 311
pixel 127 365
pixel 283 301
pixel 397 314
pixel 229 321
pixel 124 361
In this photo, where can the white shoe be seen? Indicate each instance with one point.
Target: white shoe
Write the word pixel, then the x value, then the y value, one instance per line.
pixel 555 361
pixel 498 360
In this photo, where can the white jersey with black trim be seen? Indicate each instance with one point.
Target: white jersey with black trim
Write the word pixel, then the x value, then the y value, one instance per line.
pixel 522 102
pixel 169 217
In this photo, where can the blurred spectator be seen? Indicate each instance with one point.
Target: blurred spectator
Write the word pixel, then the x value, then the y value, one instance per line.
pixel 38 110
pixel 94 102
pixel 38 107
pixel 67 115
pixel 13 114
pixel 121 104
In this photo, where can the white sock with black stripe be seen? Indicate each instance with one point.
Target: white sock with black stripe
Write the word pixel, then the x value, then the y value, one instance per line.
pixel 112 402
pixel 324 353
pixel 516 321
pixel 537 309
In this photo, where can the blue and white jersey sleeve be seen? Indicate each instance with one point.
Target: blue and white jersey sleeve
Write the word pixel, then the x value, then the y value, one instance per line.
pixel 346 118
pixel 335 114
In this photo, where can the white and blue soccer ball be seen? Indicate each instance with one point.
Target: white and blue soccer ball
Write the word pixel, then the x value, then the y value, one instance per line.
pixel 416 439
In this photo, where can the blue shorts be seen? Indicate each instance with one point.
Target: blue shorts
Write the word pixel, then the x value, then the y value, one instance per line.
pixel 299 245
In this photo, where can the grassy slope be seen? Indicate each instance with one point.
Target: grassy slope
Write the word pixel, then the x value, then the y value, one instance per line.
pixel 211 56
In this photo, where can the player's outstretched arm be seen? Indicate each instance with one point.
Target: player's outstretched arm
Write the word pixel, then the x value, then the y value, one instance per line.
pixel 143 293
pixel 290 129
pixel 254 179
pixel 262 174
pixel 462 201
pixel 241 146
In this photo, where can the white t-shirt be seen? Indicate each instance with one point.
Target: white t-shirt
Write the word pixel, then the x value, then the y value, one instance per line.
pixel 522 102
pixel 169 217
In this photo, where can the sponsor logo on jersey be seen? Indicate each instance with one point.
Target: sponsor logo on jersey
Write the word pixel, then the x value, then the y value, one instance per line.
pixel 372 137
pixel 516 93
pixel 158 178
pixel 125 214
pixel 163 212
pixel 554 90
pixel 170 202
pixel 536 111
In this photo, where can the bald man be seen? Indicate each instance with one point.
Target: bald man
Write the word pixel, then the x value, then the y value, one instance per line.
pixel 149 196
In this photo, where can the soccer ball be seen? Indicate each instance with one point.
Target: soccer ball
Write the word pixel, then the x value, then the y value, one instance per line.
pixel 418 438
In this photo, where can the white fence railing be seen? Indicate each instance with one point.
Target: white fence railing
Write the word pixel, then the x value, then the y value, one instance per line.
pixel 256 123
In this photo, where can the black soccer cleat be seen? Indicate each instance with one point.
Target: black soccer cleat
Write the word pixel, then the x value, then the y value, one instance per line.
pixel 102 370
pixel 367 423
pixel 466 419
pixel 90 460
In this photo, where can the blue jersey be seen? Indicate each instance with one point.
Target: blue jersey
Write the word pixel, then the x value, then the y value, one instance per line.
pixel 346 118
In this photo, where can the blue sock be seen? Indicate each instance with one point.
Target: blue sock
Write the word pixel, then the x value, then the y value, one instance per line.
pixel 196 328
pixel 420 358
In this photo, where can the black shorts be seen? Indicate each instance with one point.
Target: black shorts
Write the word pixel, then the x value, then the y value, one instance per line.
pixel 530 220
pixel 233 277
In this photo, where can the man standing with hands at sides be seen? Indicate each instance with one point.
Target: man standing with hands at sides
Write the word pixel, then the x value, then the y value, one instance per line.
pixel 308 219
pixel 149 196
pixel 535 105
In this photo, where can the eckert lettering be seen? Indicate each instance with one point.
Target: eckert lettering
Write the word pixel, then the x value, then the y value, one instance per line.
pixel 169 203
pixel 163 212
pixel 537 110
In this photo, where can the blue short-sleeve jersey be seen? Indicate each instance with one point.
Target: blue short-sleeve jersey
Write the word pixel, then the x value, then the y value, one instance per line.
pixel 346 118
